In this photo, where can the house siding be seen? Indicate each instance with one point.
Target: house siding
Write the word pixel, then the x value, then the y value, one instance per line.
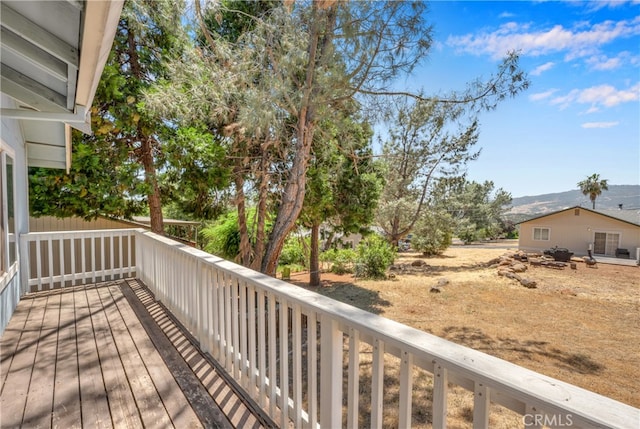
pixel 577 232
pixel 10 285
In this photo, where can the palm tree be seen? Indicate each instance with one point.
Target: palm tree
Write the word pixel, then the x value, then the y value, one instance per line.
pixel 593 187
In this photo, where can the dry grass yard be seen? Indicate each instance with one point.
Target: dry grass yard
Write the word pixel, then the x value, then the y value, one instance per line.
pixel 581 326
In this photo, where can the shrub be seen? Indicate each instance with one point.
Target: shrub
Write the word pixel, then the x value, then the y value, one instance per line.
pixel 341 260
pixel 295 251
pixel 432 233
pixel 375 255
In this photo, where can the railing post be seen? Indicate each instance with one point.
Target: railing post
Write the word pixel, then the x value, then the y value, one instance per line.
pixel 440 381
pixel 481 403
pixel 377 383
pixel 406 387
pixel 330 373
pixel 25 267
pixel 353 381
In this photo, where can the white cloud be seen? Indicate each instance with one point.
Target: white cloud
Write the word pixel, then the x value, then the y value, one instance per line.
pixel 599 124
pixel 542 95
pixel 597 5
pixel 577 42
pixel 598 96
pixel 605 63
pixel 542 68
pixel 506 15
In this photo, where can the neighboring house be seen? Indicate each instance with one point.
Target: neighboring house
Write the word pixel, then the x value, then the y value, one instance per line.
pixel 580 229
pixel 52 56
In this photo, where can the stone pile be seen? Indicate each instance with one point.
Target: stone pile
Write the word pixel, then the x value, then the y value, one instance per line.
pixel 511 265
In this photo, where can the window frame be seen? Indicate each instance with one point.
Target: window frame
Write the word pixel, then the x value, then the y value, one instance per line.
pixel 541 229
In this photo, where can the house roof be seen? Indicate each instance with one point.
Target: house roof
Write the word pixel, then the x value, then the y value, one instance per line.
pixel 52 56
pixel 627 216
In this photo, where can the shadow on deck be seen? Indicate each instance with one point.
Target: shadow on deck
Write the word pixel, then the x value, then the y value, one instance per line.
pixel 109 355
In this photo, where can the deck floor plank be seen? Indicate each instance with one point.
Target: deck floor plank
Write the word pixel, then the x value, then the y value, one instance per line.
pixel 95 409
pixel 104 356
pixel 174 401
pixel 124 413
pixel 237 413
pixel 149 403
pixel 66 393
pixel 16 387
pixel 40 404
pixel 11 338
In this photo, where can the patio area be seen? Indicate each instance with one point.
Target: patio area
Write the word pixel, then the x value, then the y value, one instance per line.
pixel 109 355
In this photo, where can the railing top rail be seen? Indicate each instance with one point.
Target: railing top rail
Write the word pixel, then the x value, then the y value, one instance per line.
pixel 79 232
pixel 530 387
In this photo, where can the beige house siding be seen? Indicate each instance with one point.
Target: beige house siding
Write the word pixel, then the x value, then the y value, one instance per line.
pixel 575 229
pixel 50 223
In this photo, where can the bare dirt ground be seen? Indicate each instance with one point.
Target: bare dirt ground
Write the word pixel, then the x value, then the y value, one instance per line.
pixel 581 326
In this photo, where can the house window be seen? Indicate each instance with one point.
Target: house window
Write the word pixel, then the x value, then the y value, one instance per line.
pixel 541 234
pixel 8 250
pixel 576 212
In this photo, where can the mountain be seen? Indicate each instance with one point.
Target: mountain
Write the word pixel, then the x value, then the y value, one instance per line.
pixel 627 195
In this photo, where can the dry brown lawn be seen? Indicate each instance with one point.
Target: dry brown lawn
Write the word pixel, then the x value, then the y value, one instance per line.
pixel 581 326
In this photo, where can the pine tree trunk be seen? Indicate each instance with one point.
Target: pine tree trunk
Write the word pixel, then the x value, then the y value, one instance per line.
pixel 314 257
pixel 153 197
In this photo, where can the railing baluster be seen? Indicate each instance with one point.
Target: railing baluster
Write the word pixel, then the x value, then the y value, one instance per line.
pixel 92 258
pixel 330 373
pixel 72 256
pixel 262 349
pixel 297 365
pixel 406 388
pixel 235 284
pixel 39 263
pixel 377 384
pixel 284 363
pixel 111 256
pixel 243 313
pixel 50 256
pixel 440 382
pixel 228 316
pixel 61 261
pixel 272 354
pixel 103 250
pixel 481 403
pixel 312 371
pixel 353 379
pixel 252 352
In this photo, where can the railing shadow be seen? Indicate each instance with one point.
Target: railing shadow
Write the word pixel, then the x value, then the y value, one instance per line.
pixel 478 340
pixel 349 293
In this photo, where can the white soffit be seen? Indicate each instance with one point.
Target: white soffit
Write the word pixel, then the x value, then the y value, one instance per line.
pixel 52 56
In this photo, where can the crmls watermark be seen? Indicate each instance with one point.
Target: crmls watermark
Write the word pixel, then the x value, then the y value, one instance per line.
pixel 553 420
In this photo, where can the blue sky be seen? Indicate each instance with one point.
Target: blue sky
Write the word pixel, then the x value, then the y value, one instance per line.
pixel 581 114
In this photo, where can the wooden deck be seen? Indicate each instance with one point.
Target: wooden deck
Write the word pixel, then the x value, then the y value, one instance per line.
pixel 108 355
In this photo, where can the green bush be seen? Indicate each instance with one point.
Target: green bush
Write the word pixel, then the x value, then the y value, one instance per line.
pixel 341 260
pixel 375 255
pixel 295 251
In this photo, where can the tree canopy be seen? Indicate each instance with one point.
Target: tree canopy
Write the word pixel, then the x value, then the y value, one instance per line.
pixel 593 187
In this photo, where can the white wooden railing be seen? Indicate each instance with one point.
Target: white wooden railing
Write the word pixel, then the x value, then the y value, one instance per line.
pixel 68 258
pixel 289 349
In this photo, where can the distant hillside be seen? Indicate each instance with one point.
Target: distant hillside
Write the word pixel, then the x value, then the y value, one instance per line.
pixel 627 195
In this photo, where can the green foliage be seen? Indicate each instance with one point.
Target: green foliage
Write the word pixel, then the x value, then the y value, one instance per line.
pixel 295 251
pixel 341 260
pixel 97 184
pixel 196 172
pixel 375 255
pixel 223 237
pixel 593 186
pixel 477 210
pixel 432 233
